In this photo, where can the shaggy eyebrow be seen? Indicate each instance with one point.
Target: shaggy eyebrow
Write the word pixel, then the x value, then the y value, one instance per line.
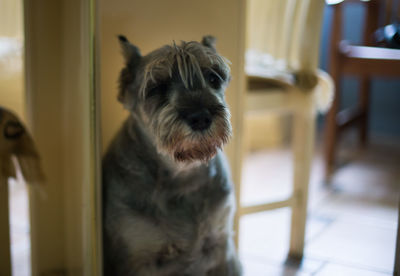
pixel 185 58
pixel 217 71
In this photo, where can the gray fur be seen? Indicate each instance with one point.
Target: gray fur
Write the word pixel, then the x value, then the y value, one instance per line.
pixel 167 194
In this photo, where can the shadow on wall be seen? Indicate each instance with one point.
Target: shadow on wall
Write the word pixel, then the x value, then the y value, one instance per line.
pixel 385 95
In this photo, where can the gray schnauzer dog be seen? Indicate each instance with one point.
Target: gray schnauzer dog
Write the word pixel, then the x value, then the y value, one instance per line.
pixel 167 194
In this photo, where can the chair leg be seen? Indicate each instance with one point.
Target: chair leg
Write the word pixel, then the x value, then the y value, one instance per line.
pixel 331 133
pixel 236 168
pixel 364 106
pixel 303 144
pixel 5 249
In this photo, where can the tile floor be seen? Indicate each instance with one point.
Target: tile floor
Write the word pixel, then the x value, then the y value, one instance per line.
pixel 351 228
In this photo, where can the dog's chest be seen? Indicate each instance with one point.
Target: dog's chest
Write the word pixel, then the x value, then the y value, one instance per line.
pixel 207 196
pixel 193 224
pixel 201 206
pixel 196 229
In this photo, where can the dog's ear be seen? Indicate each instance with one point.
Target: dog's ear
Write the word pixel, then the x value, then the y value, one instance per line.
pixel 132 58
pixel 130 52
pixel 209 41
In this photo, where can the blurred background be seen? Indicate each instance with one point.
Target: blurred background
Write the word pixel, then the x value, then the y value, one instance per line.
pixel 352 204
pixel 352 213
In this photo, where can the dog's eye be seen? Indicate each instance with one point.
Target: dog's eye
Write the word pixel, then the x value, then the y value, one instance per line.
pixel 214 80
pixel 157 89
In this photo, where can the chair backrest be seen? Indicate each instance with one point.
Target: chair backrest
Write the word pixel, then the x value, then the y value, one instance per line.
pixel 378 13
pixel 288 31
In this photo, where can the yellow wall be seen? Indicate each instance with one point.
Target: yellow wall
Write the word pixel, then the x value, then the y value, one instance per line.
pixel 12 92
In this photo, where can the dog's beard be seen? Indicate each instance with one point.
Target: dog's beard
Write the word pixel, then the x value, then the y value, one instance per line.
pixel 175 138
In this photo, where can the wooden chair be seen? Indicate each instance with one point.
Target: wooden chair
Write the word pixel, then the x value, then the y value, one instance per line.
pixel 15 142
pixel 282 75
pixel 362 61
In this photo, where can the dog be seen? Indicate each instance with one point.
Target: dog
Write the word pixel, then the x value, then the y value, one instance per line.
pixel 168 200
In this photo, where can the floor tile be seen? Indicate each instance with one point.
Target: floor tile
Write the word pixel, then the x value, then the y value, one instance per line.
pixel 265 235
pixel 357 244
pixel 269 173
pixel 254 268
pixel 339 270
pixel 19 225
pixel 265 238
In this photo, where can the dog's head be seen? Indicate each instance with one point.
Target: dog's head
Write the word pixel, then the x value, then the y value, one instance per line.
pixel 177 92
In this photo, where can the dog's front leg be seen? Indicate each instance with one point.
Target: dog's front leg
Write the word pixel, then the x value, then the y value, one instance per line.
pixel 230 267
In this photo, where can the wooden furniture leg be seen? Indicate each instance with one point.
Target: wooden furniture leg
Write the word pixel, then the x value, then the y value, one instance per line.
pixel 303 142
pixel 364 107
pixel 331 132
pixel 5 245
pixel 331 127
pixel 365 84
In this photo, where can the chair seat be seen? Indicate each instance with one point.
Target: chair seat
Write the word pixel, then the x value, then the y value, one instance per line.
pixel 268 77
pixel 370 60
pixel 268 88
pixel 266 92
pixel 263 71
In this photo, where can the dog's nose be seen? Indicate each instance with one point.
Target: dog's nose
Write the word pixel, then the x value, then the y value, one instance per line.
pixel 199 120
